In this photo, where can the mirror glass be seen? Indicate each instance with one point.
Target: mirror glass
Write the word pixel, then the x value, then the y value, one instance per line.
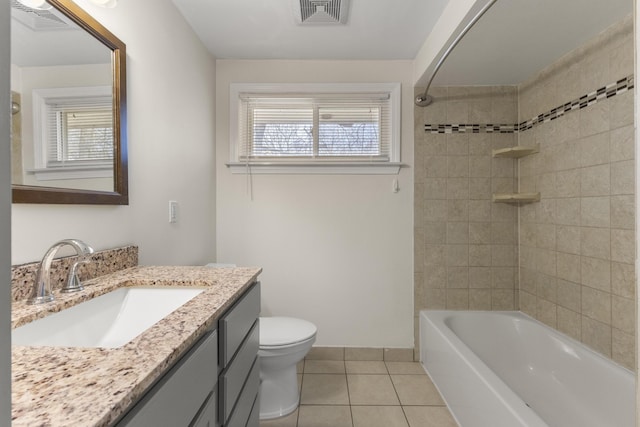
pixel 68 125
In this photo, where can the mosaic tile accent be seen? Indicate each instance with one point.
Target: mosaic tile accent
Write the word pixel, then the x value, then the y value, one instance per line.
pixel 471 128
pixel 101 263
pixel 584 101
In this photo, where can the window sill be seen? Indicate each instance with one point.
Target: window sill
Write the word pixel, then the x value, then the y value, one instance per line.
pixel 72 172
pixel 325 168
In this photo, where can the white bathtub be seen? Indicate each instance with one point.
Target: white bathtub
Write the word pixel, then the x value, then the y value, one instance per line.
pixel 505 369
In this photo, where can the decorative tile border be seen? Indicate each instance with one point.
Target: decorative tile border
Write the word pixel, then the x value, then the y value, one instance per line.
pixel 584 101
pixel 466 128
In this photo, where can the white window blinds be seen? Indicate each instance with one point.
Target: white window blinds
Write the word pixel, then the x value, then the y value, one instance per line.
pixel 321 127
pixel 79 132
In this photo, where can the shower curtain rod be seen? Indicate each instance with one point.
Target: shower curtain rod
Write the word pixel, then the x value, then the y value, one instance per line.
pixel 425 99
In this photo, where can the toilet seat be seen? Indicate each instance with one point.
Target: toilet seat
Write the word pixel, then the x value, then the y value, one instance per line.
pixel 280 332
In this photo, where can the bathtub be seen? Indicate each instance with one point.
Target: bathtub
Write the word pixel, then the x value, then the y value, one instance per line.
pixel 505 369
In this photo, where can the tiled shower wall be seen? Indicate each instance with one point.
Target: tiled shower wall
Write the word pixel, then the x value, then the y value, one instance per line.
pixel 577 246
pixel 570 261
pixel 465 245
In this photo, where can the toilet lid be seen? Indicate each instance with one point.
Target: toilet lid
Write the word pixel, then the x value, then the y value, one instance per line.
pixel 276 331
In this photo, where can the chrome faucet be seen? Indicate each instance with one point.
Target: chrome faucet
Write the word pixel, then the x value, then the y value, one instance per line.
pixel 73 281
pixel 42 291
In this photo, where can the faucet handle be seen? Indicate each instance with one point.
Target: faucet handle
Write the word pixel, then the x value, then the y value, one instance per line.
pixel 73 281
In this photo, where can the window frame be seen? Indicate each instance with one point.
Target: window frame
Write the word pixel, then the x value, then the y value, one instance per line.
pixel 304 165
pixel 42 99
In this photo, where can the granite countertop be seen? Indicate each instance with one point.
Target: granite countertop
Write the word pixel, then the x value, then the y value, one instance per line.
pixel 65 386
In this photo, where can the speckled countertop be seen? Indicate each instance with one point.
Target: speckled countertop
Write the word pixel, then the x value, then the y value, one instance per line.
pixel 62 386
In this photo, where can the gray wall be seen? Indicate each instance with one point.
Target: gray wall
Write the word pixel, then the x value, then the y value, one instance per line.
pixel 5 221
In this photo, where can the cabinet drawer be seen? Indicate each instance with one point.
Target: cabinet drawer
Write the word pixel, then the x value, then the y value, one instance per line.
pixel 207 416
pixel 242 413
pixel 254 416
pixel 237 322
pixel 234 377
pixel 176 398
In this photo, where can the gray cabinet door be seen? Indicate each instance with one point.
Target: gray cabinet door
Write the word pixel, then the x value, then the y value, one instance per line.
pixel 237 322
pixel 177 397
pixel 207 416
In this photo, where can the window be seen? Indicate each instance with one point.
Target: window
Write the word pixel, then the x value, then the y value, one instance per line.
pixel 73 133
pixel 322 128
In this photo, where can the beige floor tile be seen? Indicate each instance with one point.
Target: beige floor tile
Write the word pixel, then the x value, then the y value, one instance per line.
pixel 325 353
pixel 404 368
pixel 355 353
pixel 378 416
pixel 371 390
pixel 429 416
pixel 324 389
pixel 398 354
pixel 324 367
pixel 324 416
pixel 416 390
pixel 290 420
pixel 365 367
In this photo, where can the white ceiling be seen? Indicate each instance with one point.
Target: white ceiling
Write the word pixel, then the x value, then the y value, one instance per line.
pixel 517 38
pixel 512 41
pixel 267 29
pixel 36 42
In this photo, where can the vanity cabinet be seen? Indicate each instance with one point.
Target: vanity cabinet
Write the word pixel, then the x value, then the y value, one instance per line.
pixel 216 383
pixel 239 381
pixel 184 396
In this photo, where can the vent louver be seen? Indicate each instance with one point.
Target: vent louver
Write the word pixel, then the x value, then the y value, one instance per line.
pixel 37 19
pixel 322 11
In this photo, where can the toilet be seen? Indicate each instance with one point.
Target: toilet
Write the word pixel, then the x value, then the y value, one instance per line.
pixel 284 341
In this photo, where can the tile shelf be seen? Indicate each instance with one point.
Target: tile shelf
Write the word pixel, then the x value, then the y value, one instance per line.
pixel 517 151
pixel 516 198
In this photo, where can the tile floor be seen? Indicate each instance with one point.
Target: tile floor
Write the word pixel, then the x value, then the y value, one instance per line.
pixel 366 394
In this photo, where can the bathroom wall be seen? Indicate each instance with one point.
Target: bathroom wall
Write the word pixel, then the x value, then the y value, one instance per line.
pixel 171 109
pixel 577 246
pixel 336 249
pixel 5 221
pixel 465 245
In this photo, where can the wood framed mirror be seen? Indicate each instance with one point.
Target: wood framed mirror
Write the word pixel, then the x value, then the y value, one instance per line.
pixel 69 115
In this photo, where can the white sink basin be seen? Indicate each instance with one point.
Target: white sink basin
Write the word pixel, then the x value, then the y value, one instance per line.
pixel 110 320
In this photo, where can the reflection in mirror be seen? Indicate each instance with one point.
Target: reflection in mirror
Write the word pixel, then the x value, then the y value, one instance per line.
pixel 68 93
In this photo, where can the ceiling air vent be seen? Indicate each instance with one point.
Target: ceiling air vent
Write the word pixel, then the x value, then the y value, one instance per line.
pixel 322 11
pixel 37 19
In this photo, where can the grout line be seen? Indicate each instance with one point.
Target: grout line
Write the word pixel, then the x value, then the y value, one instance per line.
pixel 405 416
pixel 350 409
pixel 396 391
pixel 346 378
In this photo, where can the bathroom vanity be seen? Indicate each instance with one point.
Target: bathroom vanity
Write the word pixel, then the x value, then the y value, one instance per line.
pixel 190 393
pixel 198 366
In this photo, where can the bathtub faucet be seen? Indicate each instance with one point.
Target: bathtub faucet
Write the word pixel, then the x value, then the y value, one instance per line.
pixel 42 291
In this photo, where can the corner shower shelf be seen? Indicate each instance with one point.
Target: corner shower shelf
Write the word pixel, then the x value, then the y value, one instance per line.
pixel 516 152
pixel 516 198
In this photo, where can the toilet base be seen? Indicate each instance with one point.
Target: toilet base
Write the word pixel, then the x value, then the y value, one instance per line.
pixel 279 393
